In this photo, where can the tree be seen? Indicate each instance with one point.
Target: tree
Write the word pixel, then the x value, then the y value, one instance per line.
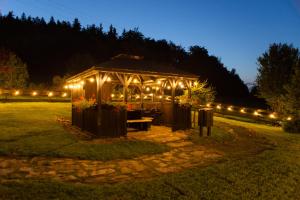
pixel 276 67
pixel 13 72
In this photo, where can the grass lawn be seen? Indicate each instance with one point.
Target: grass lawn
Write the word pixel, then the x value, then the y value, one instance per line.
pixel 30 129
pixel 260 162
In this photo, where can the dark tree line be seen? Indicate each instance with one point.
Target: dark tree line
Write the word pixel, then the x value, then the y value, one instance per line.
pixel 60 47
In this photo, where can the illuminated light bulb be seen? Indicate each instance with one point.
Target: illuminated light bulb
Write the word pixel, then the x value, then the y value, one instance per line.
pixel 255 113
pixel 66 87
pixel 208 104
pixel 169 87
pixel 50 94
pixel 158 82
pixel 71 86
pixel 272 116
pixel 64 94
pixel 112 95
pixel 219 107
pixel 151 94
pixel 91 80
pixel 82 82
pixel 137 96
pixel 147 89
pixel 135 80
pixel 34 93
pixel 108 79
pixel 157 88
pixel 242 110
pixel 181 86
pixel 17 92
pixel 122 96
pixel 229 108
pixel 160 96
pixel 195 83
pixel 145 97
pixel 289 118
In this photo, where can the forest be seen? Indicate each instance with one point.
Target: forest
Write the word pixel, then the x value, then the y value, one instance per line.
pixel 55 47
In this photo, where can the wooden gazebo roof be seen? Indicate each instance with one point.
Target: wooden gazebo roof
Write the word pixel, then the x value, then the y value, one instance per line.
pixel 135 65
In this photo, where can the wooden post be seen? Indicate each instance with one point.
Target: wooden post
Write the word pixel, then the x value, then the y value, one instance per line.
pixel 99 99
pixel 173 87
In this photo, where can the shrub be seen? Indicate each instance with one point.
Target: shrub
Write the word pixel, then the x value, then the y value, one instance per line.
pixel 292 126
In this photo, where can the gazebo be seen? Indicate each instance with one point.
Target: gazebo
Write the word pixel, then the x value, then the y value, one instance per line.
pixel 128 91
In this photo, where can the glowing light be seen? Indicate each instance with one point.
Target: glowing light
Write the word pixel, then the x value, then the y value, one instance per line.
pixel 160 96
pixel 137 96
pixel 112 95
pixel 66 87
pixel 181 86
pixel 289 118
pixel 135 80
pixel 82 82
pixel 158 82
pixel 219 107
pixel 147 89
pixel 64 94
pixel 229 108
pixel 34 93
pixel 71 86
pixel 180 83
pixel 108 79
pixel 243 110
pixel 208 105
pixel 121 96
pixel 272 116
pixel 157 88
pixel 17 92
pixel 151 94
pixel 91 80
pixel 256 113
pixel 50 94
pixel 195 83
pixel 168 87
pixel 145 97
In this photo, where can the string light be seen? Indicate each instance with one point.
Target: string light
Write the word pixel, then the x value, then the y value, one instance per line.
pixel 289 118
pixel 82 82
pixel 219 107
pixel 64 94
pixel 181 86
pixel 66 87
pixel 272 116
pixel 137 96
pixel 242 110
pixel 158 82
pixel 157 88
pixel 147 89
pixel 17 92
pixel 229 108
pixel 145 97
pixel 208 105
pixel 168 87
pixel 151 94
pixel 121 96
pixel 135 80
pixel 160 96
pixel 34 93
pixel 91 80
pixel 256 113
pixel 108 79
pixel 195 83
pixel 112 95
pixel 50 94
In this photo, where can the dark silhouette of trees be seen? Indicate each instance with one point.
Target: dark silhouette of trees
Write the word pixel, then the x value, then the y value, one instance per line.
pixel 276 68
pixel 60 47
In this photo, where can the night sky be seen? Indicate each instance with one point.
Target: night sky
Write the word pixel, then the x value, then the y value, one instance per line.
pixel 236 31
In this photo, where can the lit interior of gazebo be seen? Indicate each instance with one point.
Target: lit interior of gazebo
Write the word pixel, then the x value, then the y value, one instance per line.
pixel 134 83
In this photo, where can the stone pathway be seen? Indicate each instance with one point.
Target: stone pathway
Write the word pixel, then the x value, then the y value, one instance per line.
pixel 183 154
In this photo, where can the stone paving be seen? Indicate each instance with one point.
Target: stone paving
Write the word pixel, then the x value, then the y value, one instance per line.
pixel 183 154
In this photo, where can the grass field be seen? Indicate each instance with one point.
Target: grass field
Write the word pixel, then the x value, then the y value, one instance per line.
pixel 31 129
pixel 260 162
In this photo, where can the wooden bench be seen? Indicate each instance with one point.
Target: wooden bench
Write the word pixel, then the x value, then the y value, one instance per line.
pixel 141 124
